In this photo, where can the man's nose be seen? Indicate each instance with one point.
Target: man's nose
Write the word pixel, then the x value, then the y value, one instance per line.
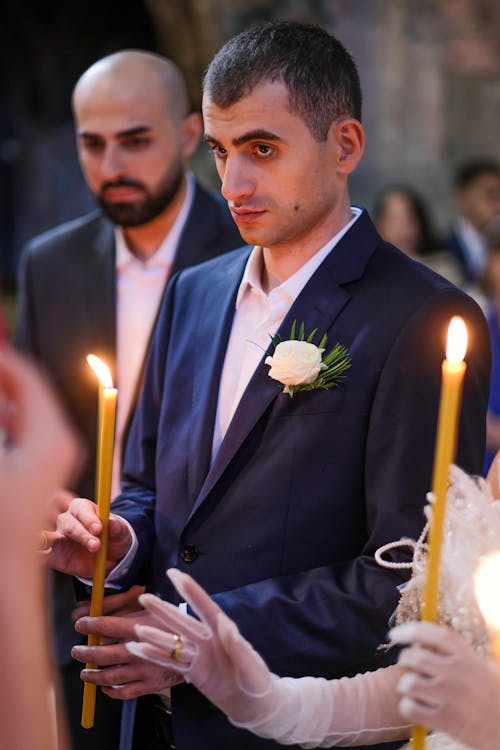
pixel 238 182
pixel 112 163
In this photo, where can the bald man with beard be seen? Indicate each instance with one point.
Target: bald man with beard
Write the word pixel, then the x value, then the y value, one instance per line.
pixel 94 285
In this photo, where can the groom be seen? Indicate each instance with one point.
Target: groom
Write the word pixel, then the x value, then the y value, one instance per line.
pixel 276 505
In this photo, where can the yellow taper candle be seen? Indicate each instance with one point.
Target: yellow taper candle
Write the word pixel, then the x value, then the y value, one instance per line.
pixel 453 372
pixel 105 443
pixel 486 589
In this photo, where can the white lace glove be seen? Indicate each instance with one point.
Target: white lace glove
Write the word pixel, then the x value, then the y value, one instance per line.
pixel 310 711
pixel 448 686
pixel 214 656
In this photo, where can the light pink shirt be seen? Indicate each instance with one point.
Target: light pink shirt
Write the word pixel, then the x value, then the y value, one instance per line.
pixel 139 289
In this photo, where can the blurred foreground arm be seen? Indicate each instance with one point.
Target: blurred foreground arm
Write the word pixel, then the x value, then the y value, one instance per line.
pixel 38 453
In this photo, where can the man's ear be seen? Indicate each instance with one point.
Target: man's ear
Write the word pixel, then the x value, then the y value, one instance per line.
pixel 349 140
pixel 191 130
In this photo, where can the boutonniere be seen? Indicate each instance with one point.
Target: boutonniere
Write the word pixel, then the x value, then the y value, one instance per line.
pixel 300 365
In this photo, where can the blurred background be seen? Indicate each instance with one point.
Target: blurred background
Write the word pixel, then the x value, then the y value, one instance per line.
pixel 430 72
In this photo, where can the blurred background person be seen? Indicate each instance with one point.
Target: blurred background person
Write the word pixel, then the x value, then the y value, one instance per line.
pixel 492 291
pixel 94 285
pixel 403 219
pixel 477 202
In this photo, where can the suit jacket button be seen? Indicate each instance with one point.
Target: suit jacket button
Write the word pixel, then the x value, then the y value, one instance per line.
pixel 190 553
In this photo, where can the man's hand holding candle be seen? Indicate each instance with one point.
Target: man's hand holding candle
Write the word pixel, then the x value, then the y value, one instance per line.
pixel 79 531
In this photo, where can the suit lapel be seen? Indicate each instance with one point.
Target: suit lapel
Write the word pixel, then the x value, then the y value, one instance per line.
pixel 201 232
pixel 99 292
pixel 214 322
pixel 191 242
pixel 317 306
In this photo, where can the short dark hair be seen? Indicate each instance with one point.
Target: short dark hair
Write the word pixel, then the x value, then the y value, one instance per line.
pixel 470 170
pixel 320 75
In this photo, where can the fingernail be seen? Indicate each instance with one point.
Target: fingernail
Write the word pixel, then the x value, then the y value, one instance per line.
pixel 95 528
pixel 87 672
pixel 92 545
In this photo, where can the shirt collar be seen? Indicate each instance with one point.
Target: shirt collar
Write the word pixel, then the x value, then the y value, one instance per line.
pixel 292 286
pixel 164 256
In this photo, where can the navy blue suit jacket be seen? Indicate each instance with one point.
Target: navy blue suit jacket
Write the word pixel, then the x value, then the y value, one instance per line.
pixel 281 529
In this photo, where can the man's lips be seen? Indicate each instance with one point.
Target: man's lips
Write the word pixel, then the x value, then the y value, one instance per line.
pixel 246 215
pixel 122 193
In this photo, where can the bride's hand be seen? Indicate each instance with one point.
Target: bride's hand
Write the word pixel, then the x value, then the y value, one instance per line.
pixel 448 686
pixel 211 654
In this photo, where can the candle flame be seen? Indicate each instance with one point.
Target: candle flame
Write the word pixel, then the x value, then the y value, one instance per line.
pixel 101 370
pixel 486 588
pixel 456 345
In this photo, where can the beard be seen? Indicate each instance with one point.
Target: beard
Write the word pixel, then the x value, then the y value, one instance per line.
pixel 139 212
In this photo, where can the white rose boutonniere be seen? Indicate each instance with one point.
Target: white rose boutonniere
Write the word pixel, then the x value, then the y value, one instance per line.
pixel 300 365
pixel 295 363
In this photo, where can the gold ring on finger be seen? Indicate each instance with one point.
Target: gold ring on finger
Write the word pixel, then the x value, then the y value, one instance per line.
pixel 43 541
pixel 176 651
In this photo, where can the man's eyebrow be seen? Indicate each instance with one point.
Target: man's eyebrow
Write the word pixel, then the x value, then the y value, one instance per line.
pixel 252 135
pixel 140 129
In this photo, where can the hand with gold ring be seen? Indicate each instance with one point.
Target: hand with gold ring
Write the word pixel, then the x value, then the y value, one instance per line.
pixel 46 539
pixel 163 646
pixel 209 653
pixel 58 503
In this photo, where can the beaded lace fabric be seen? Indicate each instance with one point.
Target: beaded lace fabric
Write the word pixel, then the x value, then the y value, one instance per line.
pixel 471 531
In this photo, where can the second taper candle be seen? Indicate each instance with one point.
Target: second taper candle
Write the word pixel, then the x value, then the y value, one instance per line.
pixel 105 444
pixel 453 371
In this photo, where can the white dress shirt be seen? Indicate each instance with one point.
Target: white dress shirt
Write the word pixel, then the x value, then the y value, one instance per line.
pixel 258 316
pixel 139 289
